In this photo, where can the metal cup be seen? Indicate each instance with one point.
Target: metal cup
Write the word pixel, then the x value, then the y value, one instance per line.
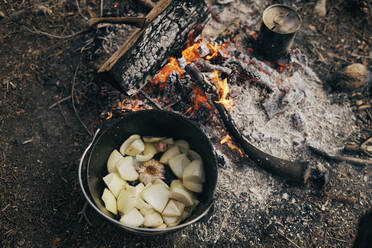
pixel 279 26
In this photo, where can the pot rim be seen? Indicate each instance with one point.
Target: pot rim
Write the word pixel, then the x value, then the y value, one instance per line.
pixel 86 193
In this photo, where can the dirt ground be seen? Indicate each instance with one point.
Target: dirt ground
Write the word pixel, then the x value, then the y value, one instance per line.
pixel 43 130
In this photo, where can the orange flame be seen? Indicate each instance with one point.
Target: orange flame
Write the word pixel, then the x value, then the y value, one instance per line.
pixel 228 140
pixel 283 66
pixel 223 90
pixel 191 53
pixel 164 73
pixel 199 98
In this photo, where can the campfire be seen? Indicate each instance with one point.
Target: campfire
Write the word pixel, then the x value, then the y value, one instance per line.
pixel 272 112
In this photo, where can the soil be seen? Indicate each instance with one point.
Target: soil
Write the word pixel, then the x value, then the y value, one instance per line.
pixel 51 103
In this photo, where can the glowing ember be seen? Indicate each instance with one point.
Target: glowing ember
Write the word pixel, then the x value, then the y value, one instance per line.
pixel 283 66
pixel 164 73
pixel 223 90
pixel 109 116
pixel 228 140
pixel 199 99
pixel 191 53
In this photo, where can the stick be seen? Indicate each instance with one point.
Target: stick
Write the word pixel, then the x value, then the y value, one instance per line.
pixel 73 101
pixel 101 9
pixel 58 102
pixel 295 171
pixel 145 95
pixel 135 21
pixel 35 31
pixel 340 158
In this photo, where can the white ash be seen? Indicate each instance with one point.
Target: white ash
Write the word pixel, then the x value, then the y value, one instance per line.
pixel 281 125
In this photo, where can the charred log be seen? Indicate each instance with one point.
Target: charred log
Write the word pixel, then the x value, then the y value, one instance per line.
pixel 147 49
pixel 294 171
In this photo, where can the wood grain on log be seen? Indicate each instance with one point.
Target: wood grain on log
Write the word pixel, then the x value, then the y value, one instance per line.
pixel 147 50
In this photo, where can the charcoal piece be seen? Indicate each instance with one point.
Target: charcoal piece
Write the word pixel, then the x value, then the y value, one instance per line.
pixel 162 37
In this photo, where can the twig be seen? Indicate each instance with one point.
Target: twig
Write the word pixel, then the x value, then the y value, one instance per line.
pixel 101 9
pixel 340 158
pixel 73 101
pixel 79 10
pixel 285 237
pixel 63 114
pixel 341 240
pixel 83 214
pixel 58 102
pixel 35 31
pixel 145 95
pixel 341 198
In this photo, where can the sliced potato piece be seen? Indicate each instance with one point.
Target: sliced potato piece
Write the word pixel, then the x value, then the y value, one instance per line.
pixel 114 183
pixel 153 219
pixel 193 186
pixel 146 210
pixel 132 218
pixel 127 200
pixel 143 206
pixel 148 153
pixel 126 169
pixel 110 201
pixel 162 226
pixel 178 163
pixel 139 188
pixel 158 180
pixel 136 147
pixel 173 208
pixel 168 141
pixel 183 145
pixel 172 221
pixel 152 139
pixel 180 193
pixel 157 196
pixel 127 142
pixel 170 153
pixel 193 155
pixel 194 172
pixel 114 157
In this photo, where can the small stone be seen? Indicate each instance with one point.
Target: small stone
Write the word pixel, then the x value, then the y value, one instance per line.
pixel 285 196
pixel 350 78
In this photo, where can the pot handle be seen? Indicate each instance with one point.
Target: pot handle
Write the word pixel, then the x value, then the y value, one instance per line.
pixel 82 161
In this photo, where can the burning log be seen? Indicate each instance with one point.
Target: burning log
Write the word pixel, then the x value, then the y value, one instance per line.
pixel 147 49
pixel 295 171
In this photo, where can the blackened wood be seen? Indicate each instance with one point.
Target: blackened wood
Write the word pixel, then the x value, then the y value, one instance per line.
pixel 136 21
pixel 295 171
pixel 147 50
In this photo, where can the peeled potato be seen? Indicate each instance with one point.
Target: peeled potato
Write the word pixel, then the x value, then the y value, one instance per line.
pixel 152 139
pixel 194 172
pixel 193 186
pixel 173 208
pixel 178 163
pixel 153 219
pixel 114 183
pixel 127 142
pixel 180 193
pixel 157 196
pixel 143 206
pixel 115 156
pixel 126 169
pixel 162 226
pixel 158 180
pixel 148 153
pixel 170 153
pixel 135 148
pixel 193 155
pixel 127 200
pixel 110 201
pixel 183 145
pixel 139 188
pixel 172 221
pixel 132 218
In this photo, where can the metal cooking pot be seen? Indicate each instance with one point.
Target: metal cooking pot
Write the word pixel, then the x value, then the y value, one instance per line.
pixel 146 123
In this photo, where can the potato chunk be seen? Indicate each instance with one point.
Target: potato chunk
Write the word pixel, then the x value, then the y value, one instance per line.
pixel 157 196
pixel 110 201
pixel 114 183
pixel 132 218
